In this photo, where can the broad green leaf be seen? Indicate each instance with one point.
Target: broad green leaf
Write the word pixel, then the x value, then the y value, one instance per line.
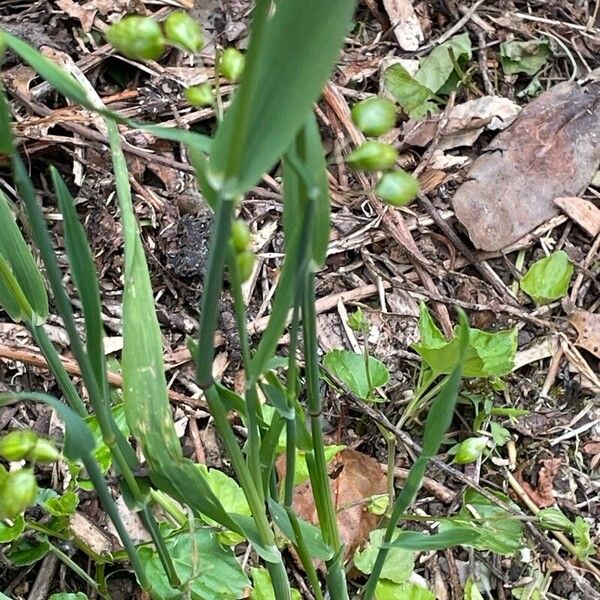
pixel 311 535
pixel 412 96
pixel 498 530
pixel 83 272
pixel 436 76
pixel 8 533
pixel 27 551
pixel 231 497
pixel 583 542
pixel 284 76
pixel 388 590
pixel 15 252
pixel 301 474
pixel 500 434
pixel 207 569
pixel 262 587
pixel 413 540
pixel 62 506
pixel 471 591
pixel 524 57
pixel 548 278
pixel 486 355
pixel 437 67
pixel 349 368
pixel 68 596
pixel 399 563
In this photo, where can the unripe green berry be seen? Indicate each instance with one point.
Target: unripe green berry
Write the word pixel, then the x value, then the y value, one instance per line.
pixel 240 235
pixel 554 519
pixel 199 95
pixel 373 156
pixel 397 188
pixel 184 31
pixel 245 264
pixel 374 116
pixel 18 492
pixel 137 37
pixel 232 64
pixel 470 450
pixel 17 445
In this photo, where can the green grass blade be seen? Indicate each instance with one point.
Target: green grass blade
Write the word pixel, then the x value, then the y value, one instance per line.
pixel 425 542
pixel 17 255
pixel 438 420
pixel 317 168
pixel 298 221
pixel 83 271
pixel 80 445
pixel 291 53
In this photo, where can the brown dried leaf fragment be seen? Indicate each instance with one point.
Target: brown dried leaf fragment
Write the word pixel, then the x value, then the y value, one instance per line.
pixel 551 150
pixel 588 328
pixel 543 494
pixel 354 478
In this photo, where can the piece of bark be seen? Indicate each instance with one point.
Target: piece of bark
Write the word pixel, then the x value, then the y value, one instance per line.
pixel 405 22
pixel 551 150
pixel 583 212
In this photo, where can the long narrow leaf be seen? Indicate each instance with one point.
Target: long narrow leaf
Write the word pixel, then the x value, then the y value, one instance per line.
pixel 424 542
pixel 290 56
pixel 83 271
pixel 22 264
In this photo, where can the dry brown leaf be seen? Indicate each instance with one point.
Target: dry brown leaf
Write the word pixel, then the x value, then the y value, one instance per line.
pixel 465 123
pixel 405 22
pixel 551 150
pixel 593 449
pixel 543 494
pixel 84 13
pixel 588 328
pixel 354 477
pixel 583 212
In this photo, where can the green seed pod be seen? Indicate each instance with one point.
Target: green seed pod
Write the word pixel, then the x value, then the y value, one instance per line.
pixel 44 451
pixel 372 156
pixel 138 38
pixel 245 264
pixel 184 31
pixel 240 235
pixel 470 450
pixel 374 116
pixel 199 95
pixel 554 519
pixel 397 188
pixel 18 444
pixel 232 64
pixel 18 492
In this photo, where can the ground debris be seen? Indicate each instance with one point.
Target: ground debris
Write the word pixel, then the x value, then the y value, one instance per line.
pixel 551 150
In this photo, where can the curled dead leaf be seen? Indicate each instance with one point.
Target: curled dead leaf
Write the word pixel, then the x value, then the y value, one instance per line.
pixel 464 124
pixel 551 150
pixel 543 493
pixel 354 478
